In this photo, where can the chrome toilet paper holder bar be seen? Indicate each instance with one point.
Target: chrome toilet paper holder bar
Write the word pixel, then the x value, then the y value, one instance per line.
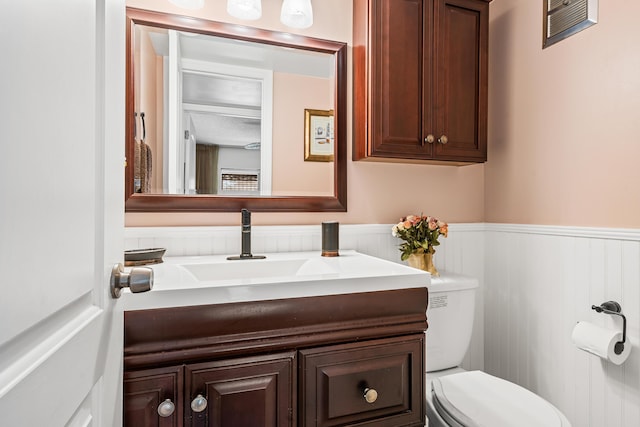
pixel 612 307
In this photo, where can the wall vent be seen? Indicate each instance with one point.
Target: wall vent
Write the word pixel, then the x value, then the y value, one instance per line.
pixel 563 18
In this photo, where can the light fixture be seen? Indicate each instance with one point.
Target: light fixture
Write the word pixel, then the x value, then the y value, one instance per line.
pixel 244 9
pixel 188 4
pixel 296 13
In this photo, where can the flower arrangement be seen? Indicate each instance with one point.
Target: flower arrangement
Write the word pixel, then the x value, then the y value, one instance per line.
pixel 420 234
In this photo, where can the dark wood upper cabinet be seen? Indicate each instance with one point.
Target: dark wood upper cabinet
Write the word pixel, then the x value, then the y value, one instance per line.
pixel 420 80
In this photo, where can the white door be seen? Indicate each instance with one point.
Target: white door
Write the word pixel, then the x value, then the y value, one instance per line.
pixel 61 211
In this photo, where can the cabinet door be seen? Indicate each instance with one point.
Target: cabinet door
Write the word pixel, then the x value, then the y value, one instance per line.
pixel 461 31
pixel 246 392
pixel 146 390
pixel 401 40
pixel 378 382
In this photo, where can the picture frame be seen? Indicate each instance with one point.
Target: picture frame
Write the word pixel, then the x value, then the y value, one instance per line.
pixel 319 143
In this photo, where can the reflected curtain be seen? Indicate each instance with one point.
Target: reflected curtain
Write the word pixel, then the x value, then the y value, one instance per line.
pixel 206 169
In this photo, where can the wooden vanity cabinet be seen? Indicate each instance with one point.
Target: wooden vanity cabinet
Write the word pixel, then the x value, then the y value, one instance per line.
pixel 420 80
pixel 318 361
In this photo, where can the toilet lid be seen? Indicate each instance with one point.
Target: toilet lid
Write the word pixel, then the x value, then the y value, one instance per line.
pixel 474 399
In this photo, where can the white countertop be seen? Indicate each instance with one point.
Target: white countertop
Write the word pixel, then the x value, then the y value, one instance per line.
pixel 200 280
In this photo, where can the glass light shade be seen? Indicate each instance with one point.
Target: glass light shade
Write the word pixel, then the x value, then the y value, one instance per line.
pixel 188 4
pixel 245 9
pixel 297 13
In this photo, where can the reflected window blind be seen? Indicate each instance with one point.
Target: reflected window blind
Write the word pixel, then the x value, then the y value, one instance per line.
pixel 244 182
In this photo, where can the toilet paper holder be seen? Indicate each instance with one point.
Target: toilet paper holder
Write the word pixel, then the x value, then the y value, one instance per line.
pixel 612 307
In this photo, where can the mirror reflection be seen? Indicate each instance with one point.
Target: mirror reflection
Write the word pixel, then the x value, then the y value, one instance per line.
pixel 219 118
pixel 225 117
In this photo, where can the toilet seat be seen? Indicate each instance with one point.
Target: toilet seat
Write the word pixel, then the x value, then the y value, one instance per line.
pixel 475 399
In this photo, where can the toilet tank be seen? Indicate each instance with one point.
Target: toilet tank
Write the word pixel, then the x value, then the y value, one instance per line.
pixel 450 316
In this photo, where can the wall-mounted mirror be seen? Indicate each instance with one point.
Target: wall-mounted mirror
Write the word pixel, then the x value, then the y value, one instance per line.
pixel 216 117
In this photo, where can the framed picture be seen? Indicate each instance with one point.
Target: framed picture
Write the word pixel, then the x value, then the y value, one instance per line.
pixel 318 135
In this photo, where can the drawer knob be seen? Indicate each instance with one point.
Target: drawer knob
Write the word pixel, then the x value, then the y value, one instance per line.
pixel 370 395
pixel 166 408
pixel 429 139
pixel 443 139
pixel 199 404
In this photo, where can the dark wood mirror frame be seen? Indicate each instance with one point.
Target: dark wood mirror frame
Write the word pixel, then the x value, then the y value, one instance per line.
pixel 137 202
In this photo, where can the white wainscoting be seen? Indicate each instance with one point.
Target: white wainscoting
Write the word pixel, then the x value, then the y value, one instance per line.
pixel 536 282
pixel 539 281
pixel 462 252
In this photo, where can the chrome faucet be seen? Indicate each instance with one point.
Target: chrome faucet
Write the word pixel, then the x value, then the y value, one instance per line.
pixel 245 252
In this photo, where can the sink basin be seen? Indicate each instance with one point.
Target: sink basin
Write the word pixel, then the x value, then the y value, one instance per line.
pixel 256 269
pixel 198 280
pixel 240 269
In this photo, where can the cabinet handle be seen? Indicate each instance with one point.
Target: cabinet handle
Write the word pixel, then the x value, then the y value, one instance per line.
pixel 429 139
pixel 443 139
pixel 166 408
pixel 370 395
pixel 199 404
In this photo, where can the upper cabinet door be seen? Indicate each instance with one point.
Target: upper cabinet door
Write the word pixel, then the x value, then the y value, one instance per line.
pixel 420 80
pixel 461 33
pixel 401 72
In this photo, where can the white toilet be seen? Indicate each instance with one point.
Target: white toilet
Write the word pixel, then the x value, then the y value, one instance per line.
pixel 456 397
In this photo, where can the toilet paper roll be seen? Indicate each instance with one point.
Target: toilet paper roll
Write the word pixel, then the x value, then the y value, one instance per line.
pixel 600 341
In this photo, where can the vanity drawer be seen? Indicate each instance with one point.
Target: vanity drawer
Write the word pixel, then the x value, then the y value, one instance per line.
pixel 334 380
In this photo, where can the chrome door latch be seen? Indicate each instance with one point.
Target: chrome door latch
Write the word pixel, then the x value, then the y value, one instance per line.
pixel 139 279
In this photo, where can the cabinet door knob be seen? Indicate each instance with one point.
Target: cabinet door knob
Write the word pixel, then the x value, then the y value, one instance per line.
pixel 199 404
pixel 429 139
pixel 443 139
pixel 166 408
pixel 370 395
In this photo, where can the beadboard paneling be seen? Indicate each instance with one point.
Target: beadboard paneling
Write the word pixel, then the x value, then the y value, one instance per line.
pixel 539 281
pixel 536 282
pixel 462 252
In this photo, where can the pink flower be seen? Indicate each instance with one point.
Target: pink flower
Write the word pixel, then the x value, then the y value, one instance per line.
pixel 420 232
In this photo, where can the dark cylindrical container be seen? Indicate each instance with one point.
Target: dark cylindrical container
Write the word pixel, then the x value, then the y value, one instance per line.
pixel 330 238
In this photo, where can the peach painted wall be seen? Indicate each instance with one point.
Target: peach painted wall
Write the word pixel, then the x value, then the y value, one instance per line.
pixel 292 175
pixel 564 122
pixel 149 100
pixel 378 193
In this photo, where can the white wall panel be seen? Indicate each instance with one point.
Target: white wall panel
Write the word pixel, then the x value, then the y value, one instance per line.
pixel 539 282
pixel 536 282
